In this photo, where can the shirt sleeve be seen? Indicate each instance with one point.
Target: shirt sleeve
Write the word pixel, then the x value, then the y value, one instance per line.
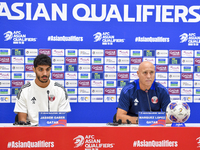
pixel 124 102
pixel 64 103
pixel 165 99
pixel 20 104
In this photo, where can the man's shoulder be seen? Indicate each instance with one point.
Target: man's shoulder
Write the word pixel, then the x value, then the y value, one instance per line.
pixel 160 88
pixel 27 85
pixel 57 85
pixel 159 85
pixel 24 88
pixel 129 86
pixel 60 88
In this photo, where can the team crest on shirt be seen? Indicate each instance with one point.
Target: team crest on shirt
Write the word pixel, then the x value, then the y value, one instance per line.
pixel 51 98
pixel 154 100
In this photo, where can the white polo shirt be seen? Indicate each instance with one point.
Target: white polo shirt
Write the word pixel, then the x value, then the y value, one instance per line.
pixel 32 99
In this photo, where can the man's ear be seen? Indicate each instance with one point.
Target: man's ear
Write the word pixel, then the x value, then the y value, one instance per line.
pixel 34 69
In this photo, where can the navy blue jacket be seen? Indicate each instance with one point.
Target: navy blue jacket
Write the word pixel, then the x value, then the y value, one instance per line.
pixel 133 99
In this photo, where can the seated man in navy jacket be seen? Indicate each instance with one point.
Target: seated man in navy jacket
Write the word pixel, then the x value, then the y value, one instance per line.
pixel 144 94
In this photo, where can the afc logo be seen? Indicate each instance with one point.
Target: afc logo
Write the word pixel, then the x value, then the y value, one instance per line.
pixel 78 141
pixel 184 37
pixel 98 36
pixel 9 35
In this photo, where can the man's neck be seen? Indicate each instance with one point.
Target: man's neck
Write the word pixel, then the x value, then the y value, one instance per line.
pixel 40 84
pixel 144 88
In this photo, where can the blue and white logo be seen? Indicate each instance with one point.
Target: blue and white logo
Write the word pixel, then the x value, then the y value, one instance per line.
pixel 8 35
pixel 183 37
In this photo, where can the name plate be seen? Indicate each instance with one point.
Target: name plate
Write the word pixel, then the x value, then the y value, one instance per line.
pixel 152 119
pixel 52 118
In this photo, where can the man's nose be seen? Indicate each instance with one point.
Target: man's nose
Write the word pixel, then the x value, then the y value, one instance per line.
pixel 148 75
pixel 44 72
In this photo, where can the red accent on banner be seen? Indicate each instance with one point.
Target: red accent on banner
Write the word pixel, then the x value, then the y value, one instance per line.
pixel 99 138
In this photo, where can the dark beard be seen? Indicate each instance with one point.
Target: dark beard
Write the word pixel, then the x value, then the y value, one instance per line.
pixel 41 80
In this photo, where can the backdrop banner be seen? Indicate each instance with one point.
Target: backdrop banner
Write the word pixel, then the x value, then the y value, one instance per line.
pixel 99 138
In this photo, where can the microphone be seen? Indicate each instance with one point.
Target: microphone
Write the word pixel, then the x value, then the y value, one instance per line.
pixel 119 121
pixel 48 100
pixel 148 99
pixel 128 121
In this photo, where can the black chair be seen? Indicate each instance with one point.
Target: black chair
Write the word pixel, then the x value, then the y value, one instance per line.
pixel 16 118
pixel 114 118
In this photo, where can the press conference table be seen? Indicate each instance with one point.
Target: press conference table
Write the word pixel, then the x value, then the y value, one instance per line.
pixel 92 136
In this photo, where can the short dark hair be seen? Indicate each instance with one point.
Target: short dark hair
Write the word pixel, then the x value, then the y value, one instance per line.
pixel 42 59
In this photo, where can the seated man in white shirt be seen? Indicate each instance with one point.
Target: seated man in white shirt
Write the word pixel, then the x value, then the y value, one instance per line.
pixel 41 94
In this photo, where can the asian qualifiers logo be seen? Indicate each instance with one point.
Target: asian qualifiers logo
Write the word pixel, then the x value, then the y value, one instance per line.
pixel 78 141
pixel 90 142
pixel 97 37
pixel 192 39
pixel 106 38
pixel 18 37
pixel 183 37
pixel 8 35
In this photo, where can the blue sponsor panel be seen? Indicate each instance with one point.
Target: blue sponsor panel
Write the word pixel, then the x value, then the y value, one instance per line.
pixel 198 53
pixel 122 83
pixel 149 53
pixel 97 75
pixel 136 53
pixel 71 52
pixel 17 75
pixel 71 91
pixel 123 68
pixel 71 68
pixel 4 52
pixel 197 69
pixel 197 91
pixel 17 52
pixel 57 68
pixel 4 91
pixel 174 61
pixel 15 91
pixel 84 76
pixel 110 83
pixel 186 69
pixel 30 60
pixel 97 61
